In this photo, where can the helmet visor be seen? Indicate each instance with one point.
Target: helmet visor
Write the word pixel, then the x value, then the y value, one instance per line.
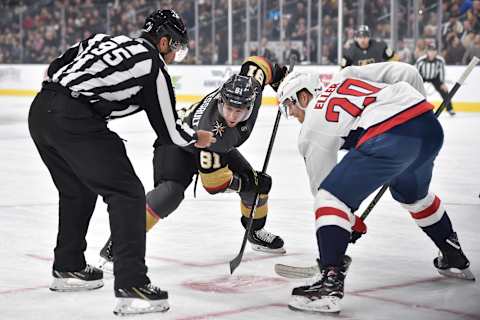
pixel 180 49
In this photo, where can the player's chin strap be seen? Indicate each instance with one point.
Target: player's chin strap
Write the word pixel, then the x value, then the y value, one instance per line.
pixel 238 258
pixel 356 234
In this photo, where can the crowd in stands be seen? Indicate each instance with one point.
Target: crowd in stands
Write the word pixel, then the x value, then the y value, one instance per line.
pixel 36 31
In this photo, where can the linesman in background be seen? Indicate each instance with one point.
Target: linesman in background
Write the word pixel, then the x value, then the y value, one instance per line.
pixel 431 67
pixel 365 50
pixel 101 78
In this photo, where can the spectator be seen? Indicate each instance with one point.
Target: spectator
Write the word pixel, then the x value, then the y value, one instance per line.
pixel 420 49
pixel 291 52
pixel 404 53
pixel 453 27
pixel 454 52
pixel 472 51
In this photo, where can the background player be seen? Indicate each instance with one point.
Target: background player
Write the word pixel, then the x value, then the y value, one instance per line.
pixel 431 67
pixel 379 113
pixel 365 50
pixel 230 113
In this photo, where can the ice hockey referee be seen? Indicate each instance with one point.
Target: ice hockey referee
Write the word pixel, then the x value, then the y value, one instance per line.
pixel 432 69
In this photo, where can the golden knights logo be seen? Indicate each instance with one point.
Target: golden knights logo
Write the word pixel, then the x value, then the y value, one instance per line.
pixel 218 128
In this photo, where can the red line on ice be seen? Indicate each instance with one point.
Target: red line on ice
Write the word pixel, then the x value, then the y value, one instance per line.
pixel 18 290
pixel 419 306
pixel 364 294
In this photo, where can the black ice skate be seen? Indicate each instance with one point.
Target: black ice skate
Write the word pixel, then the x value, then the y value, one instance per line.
pixel 264 241
pixel 324 294
pixel 106 257
pixel 87 279
pixel 452 262
pixel 138 300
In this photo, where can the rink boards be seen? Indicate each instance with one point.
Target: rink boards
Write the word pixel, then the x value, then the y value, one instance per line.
pixel 192 82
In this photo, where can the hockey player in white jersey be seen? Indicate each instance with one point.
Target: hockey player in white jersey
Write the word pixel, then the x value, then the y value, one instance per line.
pixel 379 114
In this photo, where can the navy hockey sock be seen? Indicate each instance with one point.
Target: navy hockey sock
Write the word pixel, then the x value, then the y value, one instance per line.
pixel 439 231
pixel 332 242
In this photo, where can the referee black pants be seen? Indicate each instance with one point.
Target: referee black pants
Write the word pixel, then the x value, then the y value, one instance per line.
pixel 437 84
pixel 86 159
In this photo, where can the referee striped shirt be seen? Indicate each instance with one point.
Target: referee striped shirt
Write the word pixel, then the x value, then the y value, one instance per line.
pixel 120 76
pixel 431 69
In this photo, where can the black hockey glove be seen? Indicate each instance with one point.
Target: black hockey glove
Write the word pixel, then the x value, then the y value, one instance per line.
pixel 278 73
pixel 256 181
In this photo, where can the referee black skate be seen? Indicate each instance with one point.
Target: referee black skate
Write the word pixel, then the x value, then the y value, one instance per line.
pixel 432 69
pixel 101 78
pixel 366 50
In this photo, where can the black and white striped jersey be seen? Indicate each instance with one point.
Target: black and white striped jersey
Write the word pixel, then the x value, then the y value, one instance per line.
pixel 431 69
pixel 120 76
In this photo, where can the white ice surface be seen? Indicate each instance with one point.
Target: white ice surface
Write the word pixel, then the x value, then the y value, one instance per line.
pixel 391 276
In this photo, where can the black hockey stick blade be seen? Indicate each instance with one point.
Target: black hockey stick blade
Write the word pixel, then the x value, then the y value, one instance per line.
pixel 235 262
pixel 356 235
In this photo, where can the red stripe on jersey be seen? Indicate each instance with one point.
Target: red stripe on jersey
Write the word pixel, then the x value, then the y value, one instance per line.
pixel 151 212
pixel 218 188
pixel 396 120
pixel 329 211
pixel 428 211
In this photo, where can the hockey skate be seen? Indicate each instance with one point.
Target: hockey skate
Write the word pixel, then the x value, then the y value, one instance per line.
pixel 325 293
pixel 87 279
pixel 452 262
pixel 264 241
pixel 106 257
pixel 138 300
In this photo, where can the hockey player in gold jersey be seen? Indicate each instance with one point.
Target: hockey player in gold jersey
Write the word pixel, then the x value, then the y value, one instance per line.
pixel 230 112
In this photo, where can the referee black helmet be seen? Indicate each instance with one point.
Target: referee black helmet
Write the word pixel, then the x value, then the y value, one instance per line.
pixel 167 23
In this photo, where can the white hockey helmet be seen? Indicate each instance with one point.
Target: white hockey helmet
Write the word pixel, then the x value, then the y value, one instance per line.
pixel 295 82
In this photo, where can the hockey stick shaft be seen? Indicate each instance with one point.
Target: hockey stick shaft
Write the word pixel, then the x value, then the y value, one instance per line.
pixel 236 261
pixel 238 258
pixel 444 103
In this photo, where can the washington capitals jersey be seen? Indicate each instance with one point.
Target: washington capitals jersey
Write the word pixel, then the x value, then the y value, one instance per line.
pixel 360 103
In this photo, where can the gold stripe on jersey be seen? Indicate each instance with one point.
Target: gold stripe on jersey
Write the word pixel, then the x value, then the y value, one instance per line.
pixel 216 181
pixel 152 218
pixel 263 64
pixel 261 210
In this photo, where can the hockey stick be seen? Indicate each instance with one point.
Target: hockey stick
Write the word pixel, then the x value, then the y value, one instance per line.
pixel 292 272
pixel 236 261
pixel 355 234
pixel 308 272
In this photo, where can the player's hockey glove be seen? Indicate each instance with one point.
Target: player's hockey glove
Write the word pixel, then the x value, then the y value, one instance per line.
pixel 358 229
pixel 256 181
pixel 278 73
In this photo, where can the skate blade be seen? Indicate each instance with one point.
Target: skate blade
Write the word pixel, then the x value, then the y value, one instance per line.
pixel 293 272
pixel 105 265
pixel 464 274
pixel 260 248
pixel 72 285
pixel 132 306
pixel 328 305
